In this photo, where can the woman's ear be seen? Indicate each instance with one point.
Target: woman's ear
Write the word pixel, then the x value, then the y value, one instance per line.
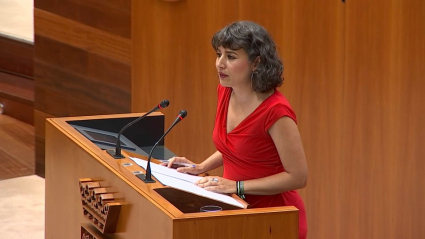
pixel 256 63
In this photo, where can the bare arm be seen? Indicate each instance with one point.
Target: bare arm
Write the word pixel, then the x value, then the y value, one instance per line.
pixel 287 139
pixel 212 162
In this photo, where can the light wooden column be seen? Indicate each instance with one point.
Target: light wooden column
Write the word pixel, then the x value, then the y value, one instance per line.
pixel 383 119
pixel 310 40
pixel 313 51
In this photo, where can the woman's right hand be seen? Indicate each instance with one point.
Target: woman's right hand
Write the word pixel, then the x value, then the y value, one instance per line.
pixel 184 165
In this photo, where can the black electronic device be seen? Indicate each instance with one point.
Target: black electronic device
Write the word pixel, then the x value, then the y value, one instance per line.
pixel 105 138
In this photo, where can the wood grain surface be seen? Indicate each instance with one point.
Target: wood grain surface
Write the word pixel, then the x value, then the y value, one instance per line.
pixel 144 212
pixel 16 148
pixel 383 119
pixel 353 74
pixel 16 78
pixel 16 56
pixel 82 60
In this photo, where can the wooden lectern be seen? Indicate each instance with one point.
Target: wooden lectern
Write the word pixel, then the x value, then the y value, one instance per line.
pixel 146 210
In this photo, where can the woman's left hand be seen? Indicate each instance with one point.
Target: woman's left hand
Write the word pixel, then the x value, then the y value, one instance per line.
pixel 217 184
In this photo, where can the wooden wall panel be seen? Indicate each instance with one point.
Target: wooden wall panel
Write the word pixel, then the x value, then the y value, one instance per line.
pixel 82 60
pixel 313 52
pixel 17 110
pixel 310 37
pixel 409 87
pixel 16 148
pixel 16 56
pixel 369 122
pixel 82 36
pixel 273 21
pixel 17 96
pixel 83 63
pixel 18 88
pixel 113 16
pixel 173 59
pixel 383 120
pixel 16 78
pixel 78 91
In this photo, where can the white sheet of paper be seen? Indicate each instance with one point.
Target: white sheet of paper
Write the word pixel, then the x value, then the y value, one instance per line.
pixel 171 172
pixel 184 182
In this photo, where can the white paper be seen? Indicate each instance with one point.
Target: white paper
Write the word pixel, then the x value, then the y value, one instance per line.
pixel 185 182
pixel 171 172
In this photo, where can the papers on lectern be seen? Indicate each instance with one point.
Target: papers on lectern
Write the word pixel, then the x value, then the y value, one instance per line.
pixel 185 182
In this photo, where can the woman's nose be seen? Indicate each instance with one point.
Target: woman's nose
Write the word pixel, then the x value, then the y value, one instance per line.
pixel 220 63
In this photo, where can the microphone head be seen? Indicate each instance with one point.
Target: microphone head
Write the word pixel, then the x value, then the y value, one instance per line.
pixel 183 113
pixel 164 103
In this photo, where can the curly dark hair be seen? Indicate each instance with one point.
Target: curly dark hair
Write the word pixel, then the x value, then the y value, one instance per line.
pixel 256 41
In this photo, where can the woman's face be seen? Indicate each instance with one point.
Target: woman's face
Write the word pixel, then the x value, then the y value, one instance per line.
pixel 233 66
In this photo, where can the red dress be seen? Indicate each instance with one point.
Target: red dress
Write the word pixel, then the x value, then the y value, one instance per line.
pixel 249 151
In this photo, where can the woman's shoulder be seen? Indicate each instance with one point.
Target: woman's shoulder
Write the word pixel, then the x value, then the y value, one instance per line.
pixel 277 106
pixel 277 98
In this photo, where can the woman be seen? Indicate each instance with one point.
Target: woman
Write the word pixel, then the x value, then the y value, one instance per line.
pixel 255 132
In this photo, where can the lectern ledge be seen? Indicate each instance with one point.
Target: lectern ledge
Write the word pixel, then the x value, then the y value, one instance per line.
pixel 91 194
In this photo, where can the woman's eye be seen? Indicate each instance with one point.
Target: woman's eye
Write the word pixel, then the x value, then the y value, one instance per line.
pixel 231 57
pixel 218 54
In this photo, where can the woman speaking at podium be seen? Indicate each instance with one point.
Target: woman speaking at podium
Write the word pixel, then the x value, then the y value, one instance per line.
pixel 255 131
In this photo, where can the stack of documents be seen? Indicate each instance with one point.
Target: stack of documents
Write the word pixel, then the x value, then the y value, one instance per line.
pixel 185 182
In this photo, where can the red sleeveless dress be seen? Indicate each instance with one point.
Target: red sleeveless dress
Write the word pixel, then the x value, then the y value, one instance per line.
pixel 249 151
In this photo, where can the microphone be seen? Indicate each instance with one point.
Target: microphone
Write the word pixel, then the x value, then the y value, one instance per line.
pixel 117 152
pixel 147 178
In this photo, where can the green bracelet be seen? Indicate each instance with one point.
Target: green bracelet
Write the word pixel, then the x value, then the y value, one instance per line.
pixel 240 189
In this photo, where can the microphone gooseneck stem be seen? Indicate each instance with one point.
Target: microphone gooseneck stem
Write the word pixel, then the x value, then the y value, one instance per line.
pixel 148 177
pixel 118 145
pixel 116 153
